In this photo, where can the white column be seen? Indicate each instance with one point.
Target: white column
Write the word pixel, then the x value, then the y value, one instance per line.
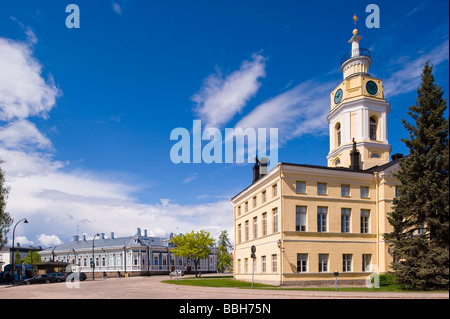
pixel 331 137
pixel 347 127
pixel 366 124
pixel 359 119
pixel 383 127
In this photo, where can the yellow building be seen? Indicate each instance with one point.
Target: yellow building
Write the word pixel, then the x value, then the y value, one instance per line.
pixel 306 221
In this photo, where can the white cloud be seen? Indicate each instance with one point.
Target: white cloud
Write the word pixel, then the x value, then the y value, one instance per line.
pixel 300 110
pixel 22 241
pixel 190 178
pixel 407 78
pixel 117 9
pixel 23 90
pixel 23 134
pixel 58 200
pixel 220 98
pixel 49 240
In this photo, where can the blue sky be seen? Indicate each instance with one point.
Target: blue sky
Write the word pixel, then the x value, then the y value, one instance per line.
pixel 86 114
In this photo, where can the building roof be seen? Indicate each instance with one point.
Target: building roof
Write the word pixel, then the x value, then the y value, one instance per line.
pixel 396 159
pixel 129 241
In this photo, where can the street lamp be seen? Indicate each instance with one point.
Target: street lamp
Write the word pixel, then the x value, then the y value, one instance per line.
pixel 25 221
pixel 93 262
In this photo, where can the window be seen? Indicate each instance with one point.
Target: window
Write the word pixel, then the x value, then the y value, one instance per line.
pixel 246 230
pixel 264 219
pixel 321 188
pixel 274 263
pixel 366 262
pixel 322 219
pixel 337 162
pixel 300 218
pixel 254 202
pixel 246 265
pixel 364 190
pixel 346 262
pixel 300 187
pixel 246 206
pixel 338 134
pixel 365 217
pixel 239 233
pixel 239 266
pixel 375 155
pixel 275 190
pixel 323 262
pixel 239 211
pixel 103 261
pixel 263 263
pixel 373 129
pixel 302 262
pixel 275 220
pixel 345 220
pixel 263 195
pixel 255 227
pixel 397 191
pixel 345 190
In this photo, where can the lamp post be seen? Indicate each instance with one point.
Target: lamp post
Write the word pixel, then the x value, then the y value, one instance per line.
pixel 93 261
pixel 25 221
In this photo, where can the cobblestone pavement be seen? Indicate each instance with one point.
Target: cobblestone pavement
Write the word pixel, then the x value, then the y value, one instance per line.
pixel 153 288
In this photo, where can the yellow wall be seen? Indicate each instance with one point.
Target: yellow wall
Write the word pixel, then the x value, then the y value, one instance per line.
pixel 310 242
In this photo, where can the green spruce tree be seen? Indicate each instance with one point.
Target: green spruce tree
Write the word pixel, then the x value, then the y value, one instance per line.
pixel 224 260
pixel 420 217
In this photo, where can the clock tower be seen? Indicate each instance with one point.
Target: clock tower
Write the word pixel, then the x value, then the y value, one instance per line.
pixel 357 117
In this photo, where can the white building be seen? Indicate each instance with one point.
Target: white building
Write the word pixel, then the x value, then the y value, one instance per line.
pixel 132 256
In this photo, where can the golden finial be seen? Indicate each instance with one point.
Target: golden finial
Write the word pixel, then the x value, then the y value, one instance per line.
pixel 355 31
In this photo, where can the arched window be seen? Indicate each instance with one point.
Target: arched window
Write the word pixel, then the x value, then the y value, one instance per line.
pixel 337 162
pixel 373 129
pixel 338 134
pixel 375 155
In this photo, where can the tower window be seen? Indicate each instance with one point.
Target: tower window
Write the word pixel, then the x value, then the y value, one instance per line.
pixel 337 162
pixel 338 134
pixel 373 129
pixel 375 155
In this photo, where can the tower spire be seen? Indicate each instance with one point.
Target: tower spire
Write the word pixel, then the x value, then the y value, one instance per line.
pixel 355 31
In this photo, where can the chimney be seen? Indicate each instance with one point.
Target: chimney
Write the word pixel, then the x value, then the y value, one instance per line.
pixel 256 173
pixel 76 238
pixel 112 235
pixel 354 158
pixel 263 169
pixel 145 232
pixel 84 237
pixel 138 232
pixel 102 235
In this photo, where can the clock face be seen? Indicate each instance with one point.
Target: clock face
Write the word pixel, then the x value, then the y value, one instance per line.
pixel 338 96
pixel 372 87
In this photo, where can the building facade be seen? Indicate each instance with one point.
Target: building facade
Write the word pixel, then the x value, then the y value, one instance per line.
pixel 128 256
pixel 306 221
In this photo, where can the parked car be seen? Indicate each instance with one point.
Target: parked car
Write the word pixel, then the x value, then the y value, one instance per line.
pixel 40 279
pixel 59 276
pixel 177 273
pixel 81 274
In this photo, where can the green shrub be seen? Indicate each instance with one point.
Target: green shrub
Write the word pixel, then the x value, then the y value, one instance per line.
pixel 385 280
